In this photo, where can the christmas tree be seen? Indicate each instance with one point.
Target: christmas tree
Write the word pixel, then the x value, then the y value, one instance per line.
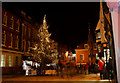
pixel 43 50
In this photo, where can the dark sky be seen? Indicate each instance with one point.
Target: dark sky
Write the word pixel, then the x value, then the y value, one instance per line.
pixel 68 21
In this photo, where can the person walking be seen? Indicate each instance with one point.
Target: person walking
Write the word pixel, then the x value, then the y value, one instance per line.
pixel 101 66
pixel 61 68
pixel 86 68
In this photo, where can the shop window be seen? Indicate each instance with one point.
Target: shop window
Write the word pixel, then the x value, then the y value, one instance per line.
pixel 10 61
pixel 2 60
pixel 16 42
pixel 108 55
pixel 3 38
pixel 10 40
pixel 11 23
pixel 5 19
pixel 105 55
pixel 17 25
pixel 82 57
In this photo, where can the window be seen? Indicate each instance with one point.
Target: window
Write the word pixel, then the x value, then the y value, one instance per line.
pixel 11 23
pixel 10 40
pixel 24 45
pixel 5 19
pixel 98 36
pixel 82 57
pixel 99 48
pixel 3 38
pixel 29 33
pixel 17 25
pixel 108 55
pixel 16 61
pixel 28 45
pixel 23 30
pixel 86 46
pixel 16 42
pixel 10 61
pixel 2 60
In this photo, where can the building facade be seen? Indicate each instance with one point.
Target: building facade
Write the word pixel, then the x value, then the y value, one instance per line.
pixel 103 34
pixel 82 54
pixel 17 35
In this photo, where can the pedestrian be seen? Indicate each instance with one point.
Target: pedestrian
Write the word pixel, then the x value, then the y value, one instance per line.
pixel 96 69
pixel 86 68
pixel 101 66
pixel 61 68
pixel 89 68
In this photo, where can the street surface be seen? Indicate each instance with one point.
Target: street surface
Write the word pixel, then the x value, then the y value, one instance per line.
pixel 94 78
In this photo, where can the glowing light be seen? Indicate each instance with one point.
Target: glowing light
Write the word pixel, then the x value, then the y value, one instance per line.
pixel 66 54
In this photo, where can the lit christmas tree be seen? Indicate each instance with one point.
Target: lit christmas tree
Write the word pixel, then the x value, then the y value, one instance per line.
pixel 43 50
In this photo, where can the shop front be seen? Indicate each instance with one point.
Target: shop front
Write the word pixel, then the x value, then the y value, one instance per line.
pixel 11 62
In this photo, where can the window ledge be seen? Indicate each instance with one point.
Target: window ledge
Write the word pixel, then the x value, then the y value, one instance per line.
pixel 4 25
pixel 10 46
pixel 16 48
pixel 3 45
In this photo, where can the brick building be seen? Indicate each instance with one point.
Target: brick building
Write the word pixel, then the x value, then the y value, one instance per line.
pixel 82 54
pixel 18 34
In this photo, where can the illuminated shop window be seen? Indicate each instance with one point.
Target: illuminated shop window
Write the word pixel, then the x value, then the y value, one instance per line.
pixel 5 19
pixel 11 23
pixel 2 60
pixel 10 61
pixel 82 57
pixel 108 55
pixel 3 38
pixel 10 40
pixel 16 42
pixel 17 25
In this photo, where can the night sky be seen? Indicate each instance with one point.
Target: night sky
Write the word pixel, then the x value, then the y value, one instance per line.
pixel 68 21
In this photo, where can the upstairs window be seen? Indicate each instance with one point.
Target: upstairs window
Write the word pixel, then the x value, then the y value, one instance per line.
pixel 16 42
pixel 23 30
pixel 3 38
pixel 11 22
pixel 17 25
pixel 24 45
pixel 28 45
pixel 5 19
pixel 86 46
pixel 29 33
pixel 98 36
pixel 10 40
